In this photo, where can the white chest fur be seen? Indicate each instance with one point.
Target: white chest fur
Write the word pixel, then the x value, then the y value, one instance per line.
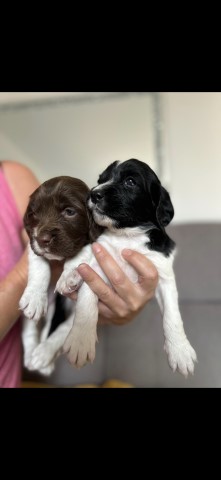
pixel 134 239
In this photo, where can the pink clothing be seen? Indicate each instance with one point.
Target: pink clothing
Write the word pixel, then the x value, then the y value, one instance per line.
pixel 10 251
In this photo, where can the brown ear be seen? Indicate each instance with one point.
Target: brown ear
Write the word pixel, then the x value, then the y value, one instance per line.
pixel 94 230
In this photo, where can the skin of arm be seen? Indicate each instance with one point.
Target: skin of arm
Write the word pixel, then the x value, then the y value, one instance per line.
pixel 22 183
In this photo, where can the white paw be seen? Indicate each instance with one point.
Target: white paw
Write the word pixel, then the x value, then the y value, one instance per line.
pixel 42 356
pixel 69 281
pixel 47 370
pixel 27 358
pixel 80 346
pixel 34 304
pixel 181 356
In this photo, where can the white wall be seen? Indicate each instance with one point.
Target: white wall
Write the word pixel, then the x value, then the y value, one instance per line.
pixel 82 139
pixel 16 97
pixel 79 139
pixel 192 151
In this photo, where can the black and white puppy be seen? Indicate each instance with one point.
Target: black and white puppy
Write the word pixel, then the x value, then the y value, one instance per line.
pixel 59 224
pixel 134 208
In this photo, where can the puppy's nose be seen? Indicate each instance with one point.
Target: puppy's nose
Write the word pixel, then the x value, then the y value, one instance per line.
pixel 44 239
pixel 96 196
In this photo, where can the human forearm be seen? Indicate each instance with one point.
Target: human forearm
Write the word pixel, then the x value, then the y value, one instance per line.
pixel 11 289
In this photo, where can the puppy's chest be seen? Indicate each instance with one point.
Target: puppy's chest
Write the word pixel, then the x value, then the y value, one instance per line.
pixel 115 244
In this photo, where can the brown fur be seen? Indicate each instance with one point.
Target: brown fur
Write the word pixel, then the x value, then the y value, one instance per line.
pixel 46 212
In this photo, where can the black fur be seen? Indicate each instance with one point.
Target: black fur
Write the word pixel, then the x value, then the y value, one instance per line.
pixel 160 242
pixel 60 314
pixel 135 198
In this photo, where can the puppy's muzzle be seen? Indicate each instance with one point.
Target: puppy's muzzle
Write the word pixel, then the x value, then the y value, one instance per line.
pixel 45 239
pixel 96 197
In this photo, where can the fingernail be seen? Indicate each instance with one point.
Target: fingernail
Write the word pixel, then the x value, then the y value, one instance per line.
pixel 82 266
pixel 96 248
pixel 126 252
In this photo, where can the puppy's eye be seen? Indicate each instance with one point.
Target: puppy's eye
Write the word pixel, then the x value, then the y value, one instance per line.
pixel 129 182
pixel 69 212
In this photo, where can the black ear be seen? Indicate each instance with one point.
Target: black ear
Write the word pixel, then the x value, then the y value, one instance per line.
pixel 162 202
pixel 165 210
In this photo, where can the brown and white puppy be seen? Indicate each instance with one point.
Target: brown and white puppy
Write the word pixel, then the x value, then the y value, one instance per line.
pixel 59 225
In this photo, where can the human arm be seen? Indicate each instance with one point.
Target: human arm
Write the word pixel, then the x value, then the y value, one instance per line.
pixel 11 289
pixel 22 183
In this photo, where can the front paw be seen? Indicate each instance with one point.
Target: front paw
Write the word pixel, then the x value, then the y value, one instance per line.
pixel 80 346
pixel 34 304
pixel 181 356
pixel 47 370
pixel 42 356
pixel 69 281
pixel 27 358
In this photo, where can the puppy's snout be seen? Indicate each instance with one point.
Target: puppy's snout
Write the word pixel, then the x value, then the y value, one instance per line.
pixel 44 239
pixel 96 196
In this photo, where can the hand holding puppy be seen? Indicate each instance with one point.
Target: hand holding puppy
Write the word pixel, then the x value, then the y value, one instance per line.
pixel 120 304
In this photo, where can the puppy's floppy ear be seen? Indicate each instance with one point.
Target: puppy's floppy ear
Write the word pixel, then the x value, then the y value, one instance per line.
pixel 162 202
pixel 165 210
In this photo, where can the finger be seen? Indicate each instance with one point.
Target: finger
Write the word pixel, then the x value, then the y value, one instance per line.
pixel 118 279
pixel 107 317
pixel 147 272
pixel 105 293
pixel 105 312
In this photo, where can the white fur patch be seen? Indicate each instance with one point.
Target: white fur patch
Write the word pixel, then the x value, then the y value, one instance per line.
pixel 99 187
pixel 44 252
pixel 103 220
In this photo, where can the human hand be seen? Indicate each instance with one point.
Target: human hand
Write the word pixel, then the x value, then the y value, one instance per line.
pixel 120 304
